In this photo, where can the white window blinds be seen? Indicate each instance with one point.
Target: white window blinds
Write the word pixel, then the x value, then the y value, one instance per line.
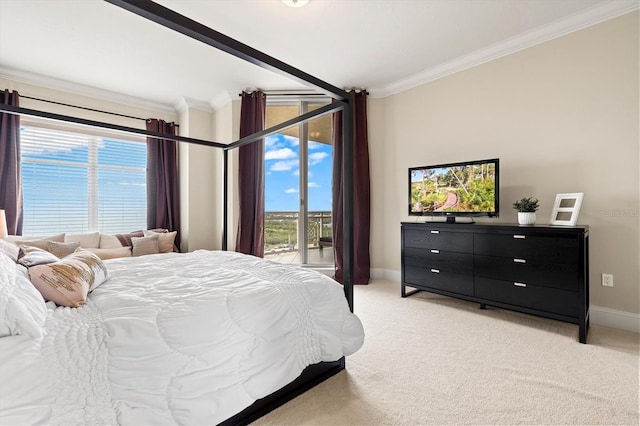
pixel 77 183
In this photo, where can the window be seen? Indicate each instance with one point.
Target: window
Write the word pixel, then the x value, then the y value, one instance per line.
pixel 298 172
pixel 77 183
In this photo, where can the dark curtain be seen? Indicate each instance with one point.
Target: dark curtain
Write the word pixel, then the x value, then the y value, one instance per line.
pixel 10 175
pixel 250 239
pixel 361 191
pixel 163 196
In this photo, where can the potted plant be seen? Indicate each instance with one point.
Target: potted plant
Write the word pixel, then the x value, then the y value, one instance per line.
pixel 526 208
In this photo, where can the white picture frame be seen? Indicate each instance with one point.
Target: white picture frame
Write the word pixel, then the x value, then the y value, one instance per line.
pixel 566 209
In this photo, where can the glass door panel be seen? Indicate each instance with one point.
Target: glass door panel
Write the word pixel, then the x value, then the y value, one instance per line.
pixel 298 170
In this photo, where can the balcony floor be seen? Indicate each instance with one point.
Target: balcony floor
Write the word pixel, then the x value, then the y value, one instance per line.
pixel 314 258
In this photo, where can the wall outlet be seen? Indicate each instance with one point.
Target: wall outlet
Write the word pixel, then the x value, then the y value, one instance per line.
pixel 607 280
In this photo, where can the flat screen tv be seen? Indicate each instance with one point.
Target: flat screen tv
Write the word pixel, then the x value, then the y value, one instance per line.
pixel 469 188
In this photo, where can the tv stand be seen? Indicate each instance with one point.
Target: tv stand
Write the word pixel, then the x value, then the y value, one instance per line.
pixel 539 270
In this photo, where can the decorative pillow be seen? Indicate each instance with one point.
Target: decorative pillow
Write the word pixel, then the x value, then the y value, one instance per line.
pixel 145 245
pixel 108 241
pixel 32 256
pixel 119 240
pixel 10 249
pixel 62 249
pixel 40 243
pixel 68 281
pixel 114 253
pixel 125 239
pixel 89 240
pixel 22 308
pixel 166 240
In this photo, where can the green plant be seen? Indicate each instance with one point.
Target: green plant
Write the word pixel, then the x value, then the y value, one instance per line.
pixel 528 204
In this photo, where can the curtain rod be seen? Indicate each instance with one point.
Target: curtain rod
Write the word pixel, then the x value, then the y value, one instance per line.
pixel 59 117
pixel 295 93
pixel 87 109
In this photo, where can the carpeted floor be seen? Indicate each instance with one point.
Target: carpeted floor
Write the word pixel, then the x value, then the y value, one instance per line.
pixel 434 360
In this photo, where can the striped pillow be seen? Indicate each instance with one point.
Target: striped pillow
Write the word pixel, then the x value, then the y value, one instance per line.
pixel 145 245
pixel 68 281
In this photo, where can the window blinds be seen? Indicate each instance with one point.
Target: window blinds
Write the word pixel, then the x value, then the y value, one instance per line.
pixel 77 183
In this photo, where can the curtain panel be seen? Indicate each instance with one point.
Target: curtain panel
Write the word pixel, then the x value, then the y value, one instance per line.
pixel 361 192
pixel 250 238
pixel 10 172
pixel 163 196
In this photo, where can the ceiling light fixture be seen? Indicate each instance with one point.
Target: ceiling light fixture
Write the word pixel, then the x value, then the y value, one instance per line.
pixel 295 3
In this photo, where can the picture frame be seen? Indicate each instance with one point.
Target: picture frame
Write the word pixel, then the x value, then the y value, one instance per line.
pixel 566 209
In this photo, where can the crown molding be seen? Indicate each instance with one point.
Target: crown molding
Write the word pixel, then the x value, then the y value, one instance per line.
pixel 592 16
pixel 222 99
pixel 82 90
pixel 189 103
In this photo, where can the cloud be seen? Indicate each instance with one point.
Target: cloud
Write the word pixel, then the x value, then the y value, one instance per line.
pixel 283 166
pixel 293 141
pixel 291 191
pixel 272 141
pixel 280 154
pixel 313 185
pixel 316 145
pixel 317 157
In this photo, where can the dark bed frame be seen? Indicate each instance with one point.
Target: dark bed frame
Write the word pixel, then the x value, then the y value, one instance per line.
pixel 316 373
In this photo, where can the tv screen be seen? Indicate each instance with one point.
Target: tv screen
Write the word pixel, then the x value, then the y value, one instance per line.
pixel 468 188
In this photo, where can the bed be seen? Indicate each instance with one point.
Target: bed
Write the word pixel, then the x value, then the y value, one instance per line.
pixel 28 388
pixel 172 338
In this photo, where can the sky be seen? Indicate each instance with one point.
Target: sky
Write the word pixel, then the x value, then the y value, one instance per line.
pixel 282 174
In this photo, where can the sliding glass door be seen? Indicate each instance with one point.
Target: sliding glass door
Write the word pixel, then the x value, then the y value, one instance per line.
pixel 298 169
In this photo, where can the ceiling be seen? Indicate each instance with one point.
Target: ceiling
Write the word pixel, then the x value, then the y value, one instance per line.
pixel 386 46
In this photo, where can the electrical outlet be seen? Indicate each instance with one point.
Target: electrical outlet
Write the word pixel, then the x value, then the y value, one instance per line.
pixel 607 280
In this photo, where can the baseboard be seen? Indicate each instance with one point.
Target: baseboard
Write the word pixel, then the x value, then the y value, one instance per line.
pixel 615 319
pixel 597 315
pixel 386 274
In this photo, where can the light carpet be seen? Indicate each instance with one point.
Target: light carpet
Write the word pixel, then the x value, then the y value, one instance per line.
pixel 435 360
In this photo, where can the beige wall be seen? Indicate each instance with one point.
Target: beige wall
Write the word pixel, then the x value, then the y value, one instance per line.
pixel 227 130
pixel 197 178
pixel 561 116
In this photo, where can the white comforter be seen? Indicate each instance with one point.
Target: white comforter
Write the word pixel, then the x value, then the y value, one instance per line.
pixel 176 339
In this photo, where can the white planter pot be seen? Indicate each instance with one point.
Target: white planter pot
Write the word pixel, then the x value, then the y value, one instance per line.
pixel 526 218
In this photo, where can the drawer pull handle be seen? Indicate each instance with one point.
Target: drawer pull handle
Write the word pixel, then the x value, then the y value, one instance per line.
pixel 435 271
pixel 520 260
pixel 435 251
pixel 435 232
pixel 520 237
pixel 520 284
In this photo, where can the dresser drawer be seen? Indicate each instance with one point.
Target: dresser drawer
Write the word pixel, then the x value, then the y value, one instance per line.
pixel 439 240
pixel 460 262
pixel 562 302
pixel 555 249
pixel 555 275
pixel 438 279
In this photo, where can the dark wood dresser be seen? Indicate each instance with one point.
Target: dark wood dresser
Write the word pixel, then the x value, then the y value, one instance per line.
pixel 539 270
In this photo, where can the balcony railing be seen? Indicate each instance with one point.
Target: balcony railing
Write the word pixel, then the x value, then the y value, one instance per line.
pixel 281 230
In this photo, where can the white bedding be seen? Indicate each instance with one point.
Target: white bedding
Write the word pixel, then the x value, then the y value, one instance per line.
pixel 175 339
